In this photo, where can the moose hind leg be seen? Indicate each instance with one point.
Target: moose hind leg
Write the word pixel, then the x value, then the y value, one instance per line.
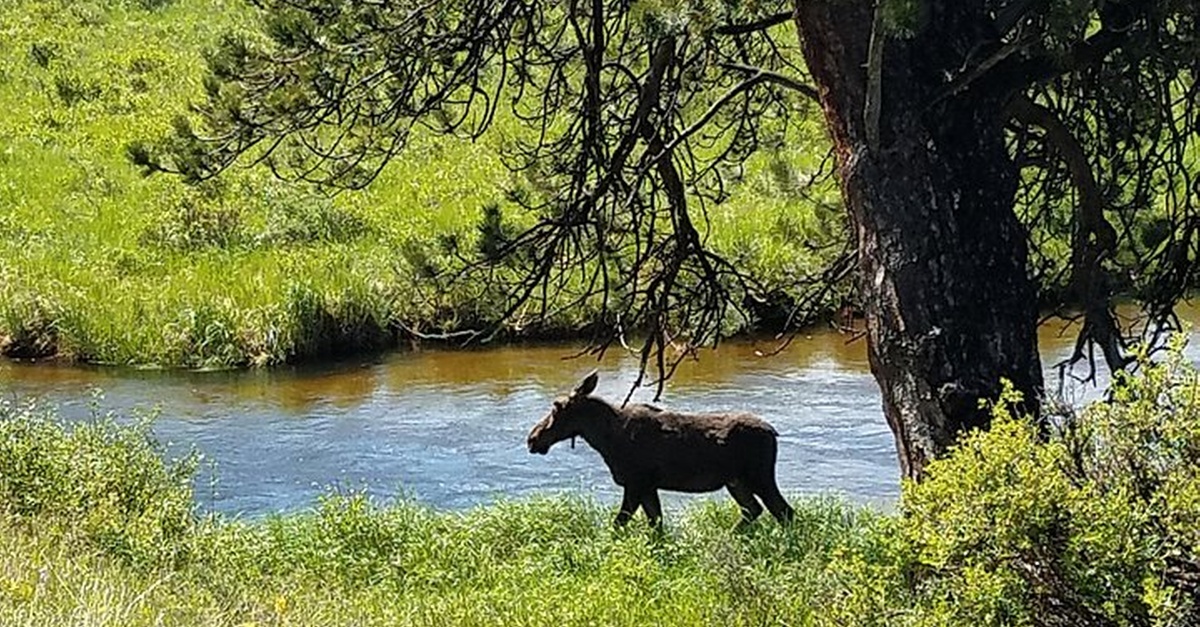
pixel 769 493
pixel 745 499
pixel 653 507
pixel 629 505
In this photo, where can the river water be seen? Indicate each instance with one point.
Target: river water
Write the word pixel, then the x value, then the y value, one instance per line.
pixel 448 427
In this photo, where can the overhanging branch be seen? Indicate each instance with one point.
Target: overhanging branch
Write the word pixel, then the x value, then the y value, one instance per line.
pixel 1093 240
pixel 760 24
pixel 775 77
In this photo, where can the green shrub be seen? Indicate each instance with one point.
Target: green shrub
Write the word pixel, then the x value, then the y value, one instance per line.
pixel 102 482
pixel 1095 525
pixel 43 53
pixel 196 223
pixel 72 90
pixel 29 329
pixel 295 215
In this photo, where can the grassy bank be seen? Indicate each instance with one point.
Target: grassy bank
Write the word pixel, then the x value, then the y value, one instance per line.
pixel 1097 525
pixel 541 563
pixel 100 264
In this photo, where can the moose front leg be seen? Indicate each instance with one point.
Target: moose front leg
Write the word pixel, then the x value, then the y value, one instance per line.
pixel 629 506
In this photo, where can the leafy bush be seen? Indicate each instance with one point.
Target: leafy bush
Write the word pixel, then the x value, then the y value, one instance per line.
pixel 72 90
pixel 1096 525
pixel 296 215
pixel 42 53
pixel 99 481
pixel 32 329
pixel 196 223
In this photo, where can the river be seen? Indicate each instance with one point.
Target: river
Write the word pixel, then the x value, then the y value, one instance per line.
pixel 448 427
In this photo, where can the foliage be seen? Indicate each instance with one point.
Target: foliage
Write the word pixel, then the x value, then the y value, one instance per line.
pixel 100 483
pixel 624 125
pixel 1095 524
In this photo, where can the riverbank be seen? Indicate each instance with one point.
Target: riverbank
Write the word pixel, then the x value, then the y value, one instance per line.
pixel 99 264
pixel 98 527
pixel 540 563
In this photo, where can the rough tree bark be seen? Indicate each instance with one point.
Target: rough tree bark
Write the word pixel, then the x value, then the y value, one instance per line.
pixel 950 306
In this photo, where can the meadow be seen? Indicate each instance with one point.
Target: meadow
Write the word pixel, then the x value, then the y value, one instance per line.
pixel 99 527
pixel 103 265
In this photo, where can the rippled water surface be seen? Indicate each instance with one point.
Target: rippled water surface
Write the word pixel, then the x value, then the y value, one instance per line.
pixel 448 427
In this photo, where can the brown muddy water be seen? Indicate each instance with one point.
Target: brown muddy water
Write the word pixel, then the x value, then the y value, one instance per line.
pixel 447 427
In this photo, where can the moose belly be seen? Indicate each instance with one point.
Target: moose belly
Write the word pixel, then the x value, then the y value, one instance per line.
pixel 704 481
pixel 694 466
pixel 684 464
pixel 696 483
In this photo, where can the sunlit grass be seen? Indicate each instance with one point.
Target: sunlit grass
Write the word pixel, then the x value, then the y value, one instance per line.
pixel 535 563
pixel 133 270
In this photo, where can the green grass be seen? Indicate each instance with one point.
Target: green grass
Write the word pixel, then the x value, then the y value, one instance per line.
pixel 103 265
pixel 538 563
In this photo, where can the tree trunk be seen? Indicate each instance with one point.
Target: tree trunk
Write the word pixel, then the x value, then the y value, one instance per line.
pixel 950 306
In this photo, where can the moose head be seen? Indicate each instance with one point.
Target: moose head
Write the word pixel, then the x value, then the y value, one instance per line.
pixel 565 419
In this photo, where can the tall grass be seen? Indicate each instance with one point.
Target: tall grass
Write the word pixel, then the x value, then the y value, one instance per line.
pixel 101 264
pixel 529 564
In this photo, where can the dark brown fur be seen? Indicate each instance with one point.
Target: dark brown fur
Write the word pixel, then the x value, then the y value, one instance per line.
pixel 649 449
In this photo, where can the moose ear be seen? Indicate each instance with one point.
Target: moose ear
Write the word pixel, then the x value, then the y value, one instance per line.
pixel 588 385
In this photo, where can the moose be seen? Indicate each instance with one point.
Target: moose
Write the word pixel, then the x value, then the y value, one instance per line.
pixel 648 449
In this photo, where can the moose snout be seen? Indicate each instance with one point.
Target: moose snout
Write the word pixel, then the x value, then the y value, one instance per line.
pixel 535 442
pixel 537 447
